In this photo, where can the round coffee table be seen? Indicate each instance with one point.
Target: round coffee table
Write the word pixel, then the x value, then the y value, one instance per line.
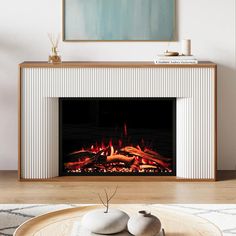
pixel 61 222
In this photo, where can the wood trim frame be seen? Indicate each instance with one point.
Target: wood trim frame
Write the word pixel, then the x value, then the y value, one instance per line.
pixel 216 121
pixel 117 179
pixel 19 123
pixel 117 41
pixel 74 64
pixel 115 64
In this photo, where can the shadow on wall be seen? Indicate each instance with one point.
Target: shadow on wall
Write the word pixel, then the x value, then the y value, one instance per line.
pixel 226 117
pixel 10 52
pixel 226 175
pixel 9 60
pixel 8 46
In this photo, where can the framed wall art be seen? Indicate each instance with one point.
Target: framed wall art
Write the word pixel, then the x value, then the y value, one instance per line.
pixel 119 20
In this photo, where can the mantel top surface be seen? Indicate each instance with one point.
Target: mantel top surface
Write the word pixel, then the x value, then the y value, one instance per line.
pixel 68 64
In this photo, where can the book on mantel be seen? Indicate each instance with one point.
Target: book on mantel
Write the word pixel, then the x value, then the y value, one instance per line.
pixel 162 59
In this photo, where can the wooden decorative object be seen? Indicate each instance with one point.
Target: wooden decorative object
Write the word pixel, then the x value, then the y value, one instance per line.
pixel 61 222
pixel 171 54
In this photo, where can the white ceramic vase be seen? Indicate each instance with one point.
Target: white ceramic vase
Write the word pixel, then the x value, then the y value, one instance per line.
pixel 99 222
pixel 144 224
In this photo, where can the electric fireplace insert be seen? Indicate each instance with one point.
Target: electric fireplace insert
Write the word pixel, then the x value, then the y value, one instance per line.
pixel 117 136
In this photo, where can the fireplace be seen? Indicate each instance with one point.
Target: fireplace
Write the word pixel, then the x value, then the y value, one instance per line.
pixel 117 136
pixel 49 141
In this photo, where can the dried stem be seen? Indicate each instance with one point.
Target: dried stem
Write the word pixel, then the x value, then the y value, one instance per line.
pixel 107 204
pixel 57 42
pixel 53 41
pixel 101 200
pixel 108 199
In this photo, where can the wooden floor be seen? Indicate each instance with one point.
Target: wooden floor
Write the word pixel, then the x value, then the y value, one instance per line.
pixel 222 191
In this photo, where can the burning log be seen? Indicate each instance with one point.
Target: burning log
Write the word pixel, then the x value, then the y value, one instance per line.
pixel 155 154
pixel 120 158
pixel 77 156
pixel 84 158
pixel 135 168
pixel 147 167
pixel 99 154
pixel 81 163
pixel 140 153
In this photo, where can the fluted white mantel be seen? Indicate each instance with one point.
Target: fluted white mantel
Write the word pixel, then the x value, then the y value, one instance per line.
pixel 194 86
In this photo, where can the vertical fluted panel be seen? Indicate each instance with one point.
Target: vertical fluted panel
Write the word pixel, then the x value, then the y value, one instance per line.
pixel 39 155
pixel 193 88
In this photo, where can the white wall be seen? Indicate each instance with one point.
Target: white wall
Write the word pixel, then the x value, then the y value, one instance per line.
pixel 23 36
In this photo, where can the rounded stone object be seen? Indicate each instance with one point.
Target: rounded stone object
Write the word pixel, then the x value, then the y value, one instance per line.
pixel 85 232
pixel 99 222
pixel 144 224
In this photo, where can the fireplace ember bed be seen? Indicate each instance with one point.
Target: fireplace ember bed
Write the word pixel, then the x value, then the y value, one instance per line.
pixel 117 136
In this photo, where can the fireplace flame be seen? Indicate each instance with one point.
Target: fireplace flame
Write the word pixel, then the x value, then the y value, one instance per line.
pixel 119 156
pixel 125 130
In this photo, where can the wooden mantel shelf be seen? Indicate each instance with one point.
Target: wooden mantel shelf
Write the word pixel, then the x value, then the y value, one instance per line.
pixel 43 64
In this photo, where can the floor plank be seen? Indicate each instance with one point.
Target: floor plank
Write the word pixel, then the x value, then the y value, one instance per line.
pixel 222 191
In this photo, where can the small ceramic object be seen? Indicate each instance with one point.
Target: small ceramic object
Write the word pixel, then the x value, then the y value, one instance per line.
pixel 173 54
pixel 186 47
pixel 99 222
pixel 85 232
pixel 144 224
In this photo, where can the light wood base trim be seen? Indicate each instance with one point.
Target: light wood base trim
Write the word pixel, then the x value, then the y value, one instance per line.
pixel 117 179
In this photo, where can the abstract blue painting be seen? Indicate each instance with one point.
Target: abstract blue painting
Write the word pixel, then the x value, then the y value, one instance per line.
pixel 119 20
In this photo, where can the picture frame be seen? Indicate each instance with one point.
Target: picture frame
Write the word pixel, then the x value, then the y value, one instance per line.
pixel 100 21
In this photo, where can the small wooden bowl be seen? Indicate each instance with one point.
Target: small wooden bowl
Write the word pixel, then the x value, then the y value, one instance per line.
pixel 173 54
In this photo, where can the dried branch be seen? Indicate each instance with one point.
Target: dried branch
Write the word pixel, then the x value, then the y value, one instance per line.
pixel 57 42
pixel 114 193
pixel 51 39
pixel 107 205
pixel 102 200
pixel 108 199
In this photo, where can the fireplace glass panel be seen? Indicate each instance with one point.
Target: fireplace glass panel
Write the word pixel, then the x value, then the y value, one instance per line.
pixel 118 136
